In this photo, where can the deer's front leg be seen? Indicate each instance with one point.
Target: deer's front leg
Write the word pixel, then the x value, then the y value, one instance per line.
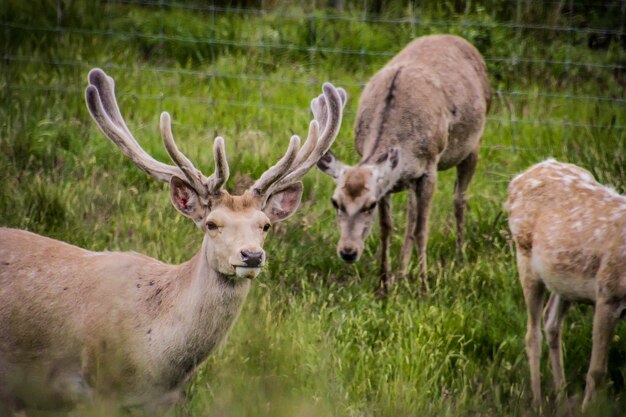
pixel 384 213
pixel 605 319
pixel 464 173
pixel 533 296
pixel 166 401
pixel 409 236
pixel 70 385
pixel 9 404
pixel 425 189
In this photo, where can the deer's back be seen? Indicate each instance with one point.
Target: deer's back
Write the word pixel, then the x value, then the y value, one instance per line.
pixel 431 99
pixel 571 227
pixel 40 271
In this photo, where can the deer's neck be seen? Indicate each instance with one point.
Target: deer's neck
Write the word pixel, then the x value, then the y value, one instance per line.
pixel 204 306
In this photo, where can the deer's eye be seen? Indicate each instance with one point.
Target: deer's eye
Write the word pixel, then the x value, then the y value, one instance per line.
pixel 369 207
pixel 338 206
pixel 266 227
pixel 212 226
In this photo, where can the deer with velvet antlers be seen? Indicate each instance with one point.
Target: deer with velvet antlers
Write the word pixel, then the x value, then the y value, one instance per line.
pixel 77 325
pixel 570 238
pixel 423 112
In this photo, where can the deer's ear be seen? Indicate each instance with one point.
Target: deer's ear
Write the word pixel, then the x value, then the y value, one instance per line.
pixel 330 165
pixel 385 166
pixel 284 203
pixel 388 161
pixel 185 198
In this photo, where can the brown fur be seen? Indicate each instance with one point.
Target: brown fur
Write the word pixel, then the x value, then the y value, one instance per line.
pixel 570 235
pixel 356 183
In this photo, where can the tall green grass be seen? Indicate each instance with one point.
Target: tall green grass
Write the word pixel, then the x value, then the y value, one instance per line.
pixel 312 340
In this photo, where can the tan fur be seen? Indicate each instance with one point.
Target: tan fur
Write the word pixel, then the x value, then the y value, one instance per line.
pixel 238 203
pixel 570 235
pixel 429 103
pixel 77 325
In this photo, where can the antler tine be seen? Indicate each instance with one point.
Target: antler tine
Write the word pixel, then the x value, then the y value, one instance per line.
pixel 328 111
pixel 301 156
pixel 106 90
pixel 193 175
pixel 276 172
pixel 222 171
pixel 315 125
pixel 335 100
pixel 309 144
pixel 318 107
pixel 344 97
pixel 102 105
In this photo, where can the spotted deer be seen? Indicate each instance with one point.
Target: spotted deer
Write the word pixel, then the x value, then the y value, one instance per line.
pixel 77 325
pixel 423 112
pixel 570 238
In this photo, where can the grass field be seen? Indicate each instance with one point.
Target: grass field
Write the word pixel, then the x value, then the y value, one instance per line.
pixel 311 340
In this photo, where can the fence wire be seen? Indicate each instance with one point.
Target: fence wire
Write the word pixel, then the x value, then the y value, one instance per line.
pixel 568 70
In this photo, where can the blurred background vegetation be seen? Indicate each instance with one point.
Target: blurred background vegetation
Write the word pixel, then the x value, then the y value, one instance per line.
pixel 312 340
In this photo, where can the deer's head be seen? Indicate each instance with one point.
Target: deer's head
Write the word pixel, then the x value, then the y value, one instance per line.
pixel 358 190
pixel 235 226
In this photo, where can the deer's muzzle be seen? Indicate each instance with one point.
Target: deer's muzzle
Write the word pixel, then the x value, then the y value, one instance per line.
pixel 349 253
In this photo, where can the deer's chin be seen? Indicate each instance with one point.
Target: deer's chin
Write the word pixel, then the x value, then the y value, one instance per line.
pixel 247 271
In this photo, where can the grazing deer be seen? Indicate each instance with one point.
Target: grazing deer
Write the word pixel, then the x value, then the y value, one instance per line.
pixel 77 325
pixel 570 235
pixel 423 112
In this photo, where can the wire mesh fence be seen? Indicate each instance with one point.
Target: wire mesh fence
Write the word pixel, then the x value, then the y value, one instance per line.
pixel 567 58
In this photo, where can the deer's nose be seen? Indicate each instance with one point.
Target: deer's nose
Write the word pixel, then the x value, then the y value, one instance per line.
pixel 252 259
pixel 348 254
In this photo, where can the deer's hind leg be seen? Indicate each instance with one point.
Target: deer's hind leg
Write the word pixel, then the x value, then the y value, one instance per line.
pixel 464 173
pixel 606 315
pixel 553 316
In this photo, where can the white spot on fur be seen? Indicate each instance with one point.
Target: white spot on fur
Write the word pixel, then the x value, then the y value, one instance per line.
pixel 599 233
pixel 587 186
